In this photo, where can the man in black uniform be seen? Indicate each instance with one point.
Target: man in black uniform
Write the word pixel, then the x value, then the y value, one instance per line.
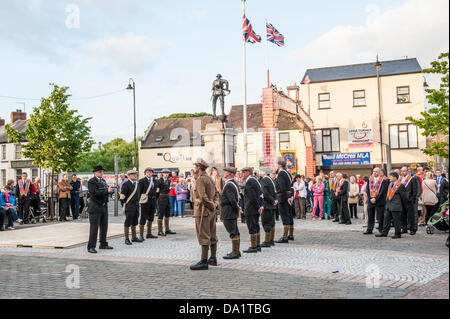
pixel 376 191
pixel 98 210
pixel 229 201
pixel 147 191
pixel 162 191
pixel 396 195
pixel 270 206
pixel 334 202
pixel 341 196
pixel 23 198
pixel 285 196
pixel 129 197
pixel 253 207
pixel 410 214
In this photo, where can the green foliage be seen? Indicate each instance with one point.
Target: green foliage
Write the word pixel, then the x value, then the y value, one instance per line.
pixel 57 136
pixel 435 122
pixel 185 115
pixel 104 155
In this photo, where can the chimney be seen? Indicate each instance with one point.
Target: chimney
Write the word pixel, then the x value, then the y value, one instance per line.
pixel 294 91
pixel 18 115
pixel 2 122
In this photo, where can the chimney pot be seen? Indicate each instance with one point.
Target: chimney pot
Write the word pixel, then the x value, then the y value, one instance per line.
pixel 18 115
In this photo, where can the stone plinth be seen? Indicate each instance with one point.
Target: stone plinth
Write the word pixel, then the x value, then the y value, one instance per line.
pixel 219 143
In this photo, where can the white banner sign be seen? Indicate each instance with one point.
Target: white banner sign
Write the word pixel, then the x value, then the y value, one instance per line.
pixel 360 137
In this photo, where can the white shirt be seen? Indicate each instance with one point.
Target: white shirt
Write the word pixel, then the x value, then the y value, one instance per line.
pixel 301 188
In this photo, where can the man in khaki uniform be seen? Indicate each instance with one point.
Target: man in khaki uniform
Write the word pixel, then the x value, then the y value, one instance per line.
pixel 206 200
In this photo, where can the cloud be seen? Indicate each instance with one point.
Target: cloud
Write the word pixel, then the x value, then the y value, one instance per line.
pixel 130 53
pixel 417 28
pixel 115 8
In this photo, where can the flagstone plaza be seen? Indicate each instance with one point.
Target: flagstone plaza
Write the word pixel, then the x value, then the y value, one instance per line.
pixel 325 261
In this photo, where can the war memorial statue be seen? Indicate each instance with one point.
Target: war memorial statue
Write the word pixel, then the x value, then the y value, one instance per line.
pixel 220 87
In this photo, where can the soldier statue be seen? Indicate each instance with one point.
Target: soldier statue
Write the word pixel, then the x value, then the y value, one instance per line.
pixel 220 86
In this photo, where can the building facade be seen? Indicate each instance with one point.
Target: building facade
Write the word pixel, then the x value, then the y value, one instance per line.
pixel 358 115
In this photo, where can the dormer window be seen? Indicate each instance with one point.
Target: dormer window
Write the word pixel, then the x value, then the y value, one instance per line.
pixel 159 139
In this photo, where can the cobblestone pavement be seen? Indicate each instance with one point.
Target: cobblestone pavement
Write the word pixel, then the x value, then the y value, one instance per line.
pixel 326 260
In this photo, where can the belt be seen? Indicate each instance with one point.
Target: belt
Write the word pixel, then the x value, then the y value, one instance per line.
pixel 164 195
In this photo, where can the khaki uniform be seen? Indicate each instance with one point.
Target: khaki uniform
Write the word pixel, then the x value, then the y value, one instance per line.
pixel 205 197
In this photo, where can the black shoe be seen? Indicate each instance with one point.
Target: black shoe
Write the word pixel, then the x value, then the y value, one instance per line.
pixel 161 234
pixel 232 256
pixel 258 248
pixel 128 242
pixel 290 237
pixel 404 231
pixel 328 217
pixel 348 223
pixel 92 251
pixel 151 236
pixel 381 235
pixel 141 238
pixel 412 232
pixel 169 232
pixel 368 232
pixel 335 221
pixel 212 261
pixel 2 228
pixel 282 241
pixel 272 243
pixel 341 223
pixel 251 250
pixel 136 240
pixel 106 247
pixel 265 245
pixel 396 236
pixel 201 265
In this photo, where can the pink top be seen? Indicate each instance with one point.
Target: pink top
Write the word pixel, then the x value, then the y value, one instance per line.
pixel 318 190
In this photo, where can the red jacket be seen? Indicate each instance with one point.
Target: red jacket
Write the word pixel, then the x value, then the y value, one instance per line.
pixel 173 182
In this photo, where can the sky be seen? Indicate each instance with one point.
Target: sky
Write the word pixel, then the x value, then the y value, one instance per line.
pixel 173 50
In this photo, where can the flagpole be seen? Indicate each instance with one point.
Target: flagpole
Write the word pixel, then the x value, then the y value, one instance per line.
pixel 244 64
pixel 267 57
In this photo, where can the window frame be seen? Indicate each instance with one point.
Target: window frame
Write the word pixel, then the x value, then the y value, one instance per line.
pixel 18 154
pixel 4 154
pixel 359 98
pixel 409 94
pixel 284 142
pixel 398 137
pixel 329 101
pixel 331 139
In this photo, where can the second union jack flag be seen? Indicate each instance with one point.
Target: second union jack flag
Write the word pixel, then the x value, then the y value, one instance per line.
pixel 249 33
pixel 274 36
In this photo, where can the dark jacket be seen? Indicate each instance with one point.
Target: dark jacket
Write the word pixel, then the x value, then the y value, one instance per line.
pixel 229 200
pixel 381 196
pixel 285 185
pixel 252 197
pixel 127 190
pixel 28 193
pixel 98 195
pixel 396 203
pixel 164 187
pixel 443 191
pixel 269 191
pixel 343 192
pixel 143 187
pixel 412 190
pixel 75 191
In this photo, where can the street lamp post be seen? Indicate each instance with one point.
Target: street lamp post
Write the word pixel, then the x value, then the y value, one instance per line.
pixel 132 86
pixel 378 67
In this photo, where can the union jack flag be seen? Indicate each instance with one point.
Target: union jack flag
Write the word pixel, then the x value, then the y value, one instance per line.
pixel 274 36
pixel 249 34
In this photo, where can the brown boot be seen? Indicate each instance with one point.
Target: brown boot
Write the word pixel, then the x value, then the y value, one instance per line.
pixel 291 232
pixel 166 225
pixel 272 236
pixel 134 238
pixel 235 253
pixel 149 230
pixel 126 231
pixel 284 239
pixel 160 228
pixel 266 243
pixel 213 259
pixel 253 246
pixel 141 232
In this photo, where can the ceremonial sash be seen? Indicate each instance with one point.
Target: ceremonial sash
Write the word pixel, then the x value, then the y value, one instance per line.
pixel 333 185
pixel 218 183
pixel 374 187
pixel 234 185
pixel 340 184
pixel 406 182
pixel 24 192
pixel 392 190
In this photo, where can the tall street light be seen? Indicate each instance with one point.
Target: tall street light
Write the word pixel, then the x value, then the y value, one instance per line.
pixel 132 86
pixel 378 67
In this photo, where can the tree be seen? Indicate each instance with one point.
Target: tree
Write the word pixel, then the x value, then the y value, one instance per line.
pixel 435 121
pixel 56 137
pixel 105 154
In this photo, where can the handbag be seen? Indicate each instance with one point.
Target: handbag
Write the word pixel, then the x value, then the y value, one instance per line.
pixel 144 197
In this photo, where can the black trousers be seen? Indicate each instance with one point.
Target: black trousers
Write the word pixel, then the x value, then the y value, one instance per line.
pixel 131 217
pixel 97 220
pixel 344 211
pixel 268 219
pixel 253 224
pixel 410 216
pixel 335 209
pixel 23 208
pixel 285 213
pixel 147 212
pixel 353 210
pixel 231 226
pixel 36 204
pixel 64 204
pixel 372 212
pixel 163 207
pixel 388 217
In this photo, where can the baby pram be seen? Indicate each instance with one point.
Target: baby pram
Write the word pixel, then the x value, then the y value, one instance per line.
pixel 439 220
